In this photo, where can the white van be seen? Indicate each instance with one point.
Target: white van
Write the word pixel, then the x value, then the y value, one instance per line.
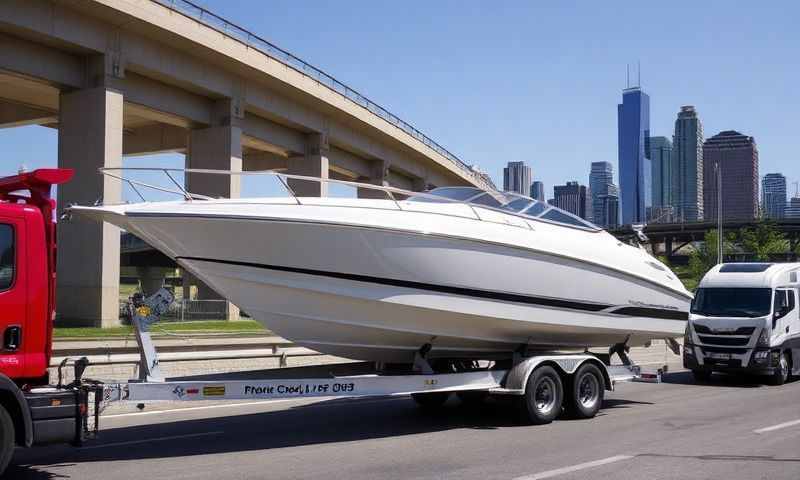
pixel 745 318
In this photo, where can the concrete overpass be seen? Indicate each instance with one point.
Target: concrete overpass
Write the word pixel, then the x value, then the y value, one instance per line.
pixel 674 236
pixel 134 77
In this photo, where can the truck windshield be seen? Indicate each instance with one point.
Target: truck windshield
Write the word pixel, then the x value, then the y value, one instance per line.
pixel 732 302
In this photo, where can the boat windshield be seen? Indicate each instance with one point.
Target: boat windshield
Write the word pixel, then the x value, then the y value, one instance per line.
pixel 511 202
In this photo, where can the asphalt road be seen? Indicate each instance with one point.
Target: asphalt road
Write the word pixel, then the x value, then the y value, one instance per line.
pixel 731 429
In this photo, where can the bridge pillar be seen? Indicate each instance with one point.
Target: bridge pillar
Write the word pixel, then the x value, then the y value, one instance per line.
pixel 218 147
pixel 89 137
pixel 313 164
pixel 378 170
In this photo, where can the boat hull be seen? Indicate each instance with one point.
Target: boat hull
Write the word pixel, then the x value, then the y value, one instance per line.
pixel 380 294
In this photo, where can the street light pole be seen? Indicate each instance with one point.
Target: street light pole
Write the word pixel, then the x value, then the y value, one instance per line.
pixel 719 211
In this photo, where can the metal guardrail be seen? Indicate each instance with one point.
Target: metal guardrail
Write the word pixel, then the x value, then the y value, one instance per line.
pixel 229 29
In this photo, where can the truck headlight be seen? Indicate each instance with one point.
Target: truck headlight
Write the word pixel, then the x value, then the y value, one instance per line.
pixel 763 339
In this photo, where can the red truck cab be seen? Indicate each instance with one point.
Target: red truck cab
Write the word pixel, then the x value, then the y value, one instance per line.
pixel 27 273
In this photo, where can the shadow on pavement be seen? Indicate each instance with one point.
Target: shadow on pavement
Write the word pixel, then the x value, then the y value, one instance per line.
pixel 331 421
pixel 718 380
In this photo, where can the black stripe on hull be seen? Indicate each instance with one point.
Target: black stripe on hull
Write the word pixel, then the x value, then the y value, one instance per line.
pixel 467 292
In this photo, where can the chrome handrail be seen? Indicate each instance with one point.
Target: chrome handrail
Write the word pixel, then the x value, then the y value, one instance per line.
pixel 284 177
pixel 251 40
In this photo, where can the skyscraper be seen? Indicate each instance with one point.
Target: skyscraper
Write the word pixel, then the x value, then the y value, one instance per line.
pixel 661 157
pixel 793 209
pixel 537 190
pixel 517 178
pixel 633 130
pixel 773 195
pixel 601 183
pixel 737 157
pixel 609 211
pixel 572 197
pixel 687 166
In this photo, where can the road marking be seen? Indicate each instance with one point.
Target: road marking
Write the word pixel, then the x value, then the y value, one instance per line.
pixel 159 439
pixel 777 427
pixel 575 468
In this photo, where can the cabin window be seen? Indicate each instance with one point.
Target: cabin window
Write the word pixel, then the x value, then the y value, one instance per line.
pixel 7 257
pixel 486 199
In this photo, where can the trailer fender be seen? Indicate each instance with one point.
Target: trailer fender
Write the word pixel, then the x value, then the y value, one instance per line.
pixel 13 400
pixel 517 377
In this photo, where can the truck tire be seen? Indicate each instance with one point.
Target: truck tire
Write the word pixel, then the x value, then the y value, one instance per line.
pixel 781 374
pixel 585 391
pixel 702 376
pixel 544 394
pixel 7 440
pixel 430 401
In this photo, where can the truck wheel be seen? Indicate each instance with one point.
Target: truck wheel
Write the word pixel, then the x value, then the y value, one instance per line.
pixel 781 374
pixel 430 401
pixel 585 392
pixel 7 440
pixel 543 397
pixel 702 376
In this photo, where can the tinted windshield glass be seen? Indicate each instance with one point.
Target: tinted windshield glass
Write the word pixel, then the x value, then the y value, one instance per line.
pixel 732 302
pixel 561 217
pixel 454 193
pixel 518 205
pixel 536 209
pixel 486 199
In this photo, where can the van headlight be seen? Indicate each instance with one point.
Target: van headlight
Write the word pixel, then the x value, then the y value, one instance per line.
pixel 763 339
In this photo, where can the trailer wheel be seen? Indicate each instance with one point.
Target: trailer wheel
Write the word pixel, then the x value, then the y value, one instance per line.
pixel 585 391
pixel 543 398
pixel 781 374
pixel 6 439
pixel 430 401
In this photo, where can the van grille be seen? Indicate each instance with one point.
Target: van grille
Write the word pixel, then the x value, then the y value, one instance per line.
pixel 702 329
pixel 726 341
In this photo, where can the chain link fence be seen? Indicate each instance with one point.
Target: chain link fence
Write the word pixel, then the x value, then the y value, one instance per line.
pixel 187 311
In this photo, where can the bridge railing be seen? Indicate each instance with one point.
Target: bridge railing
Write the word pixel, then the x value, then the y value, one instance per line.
pixel 212 20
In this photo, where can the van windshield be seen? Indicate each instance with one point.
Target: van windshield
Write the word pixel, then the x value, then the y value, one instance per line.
pixel 732 302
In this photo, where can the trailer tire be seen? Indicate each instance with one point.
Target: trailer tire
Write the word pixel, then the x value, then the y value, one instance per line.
pixel 543 398
pixel 585 391
pixel 430 401
pixel 781 374
pixel 7 439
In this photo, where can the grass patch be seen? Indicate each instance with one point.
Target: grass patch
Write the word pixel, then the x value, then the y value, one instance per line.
pixel 211 326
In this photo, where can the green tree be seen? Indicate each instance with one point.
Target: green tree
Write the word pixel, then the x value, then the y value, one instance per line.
pixel 704 256
pixel 763 240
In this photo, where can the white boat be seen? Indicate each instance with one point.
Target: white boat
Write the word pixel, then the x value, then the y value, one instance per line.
pixel 470 273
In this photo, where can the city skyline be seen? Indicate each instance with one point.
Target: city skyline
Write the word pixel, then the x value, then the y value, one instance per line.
pixel 736 155
pixel 687 166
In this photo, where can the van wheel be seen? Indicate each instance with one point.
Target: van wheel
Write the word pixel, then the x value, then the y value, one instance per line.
pixel 430 401
pixel 6 439
pixel 781 374
pixel 544 395
pixel 585 391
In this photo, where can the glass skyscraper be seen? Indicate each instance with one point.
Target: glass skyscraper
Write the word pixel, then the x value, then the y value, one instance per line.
pixel 537 190
pixel 572 198
pixel 661 157
pixel 517 178
pixel 601 184
pixel 633 129
pixel 737 157
pixel 687 166
pixel 773 195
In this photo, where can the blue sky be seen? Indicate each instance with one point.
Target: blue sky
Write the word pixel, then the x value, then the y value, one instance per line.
pixel 537 81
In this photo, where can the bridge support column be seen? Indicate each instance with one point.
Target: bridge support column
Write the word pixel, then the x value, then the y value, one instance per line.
pixel 377 177
pixel 313 164
pixel 217 147
pixel 89 137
